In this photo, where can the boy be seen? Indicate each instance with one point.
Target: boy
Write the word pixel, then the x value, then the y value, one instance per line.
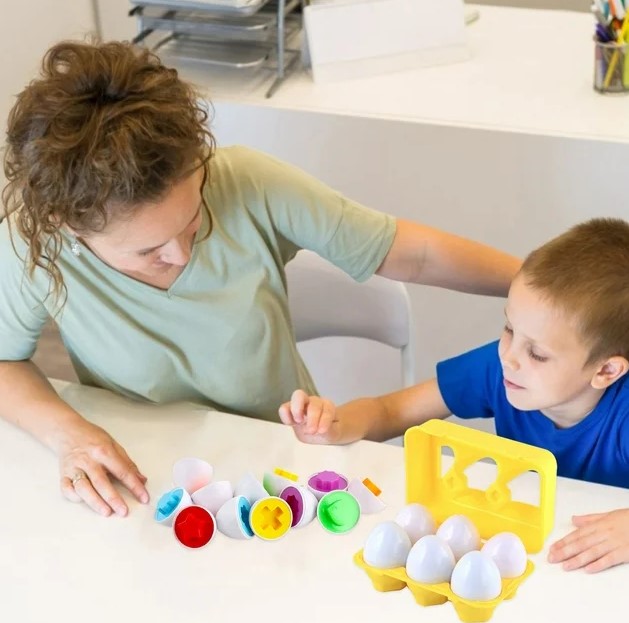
pixel 557 379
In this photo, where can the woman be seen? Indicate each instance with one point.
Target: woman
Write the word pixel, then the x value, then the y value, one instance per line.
pixel 162 258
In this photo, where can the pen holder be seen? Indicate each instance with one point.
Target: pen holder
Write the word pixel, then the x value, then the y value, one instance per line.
pixel 611 67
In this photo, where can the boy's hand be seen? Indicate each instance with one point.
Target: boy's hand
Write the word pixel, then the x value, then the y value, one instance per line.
pixel 317 420
pixel 313 418
pixel 599 542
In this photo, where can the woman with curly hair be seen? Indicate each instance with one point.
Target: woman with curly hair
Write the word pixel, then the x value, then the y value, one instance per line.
pixel 161 258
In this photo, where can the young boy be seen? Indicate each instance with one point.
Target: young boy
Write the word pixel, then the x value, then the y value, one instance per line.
pixel 557 379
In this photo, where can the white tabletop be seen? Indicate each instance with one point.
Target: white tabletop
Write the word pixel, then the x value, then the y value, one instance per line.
pixel 531 71
pixel 59 561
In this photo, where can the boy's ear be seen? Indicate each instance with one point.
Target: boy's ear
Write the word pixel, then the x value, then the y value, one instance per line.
pixel 609 372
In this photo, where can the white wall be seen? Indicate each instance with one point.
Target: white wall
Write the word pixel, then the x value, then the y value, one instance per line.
pixel 27 30
pixel 115 23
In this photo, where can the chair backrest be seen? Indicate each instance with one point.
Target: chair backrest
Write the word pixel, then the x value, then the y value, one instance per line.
pixel 326 302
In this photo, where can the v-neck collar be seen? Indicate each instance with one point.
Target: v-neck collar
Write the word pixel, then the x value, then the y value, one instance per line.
pixel 136 284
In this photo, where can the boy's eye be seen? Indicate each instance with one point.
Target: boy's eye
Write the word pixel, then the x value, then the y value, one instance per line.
pixel 537 357
pixel 508 329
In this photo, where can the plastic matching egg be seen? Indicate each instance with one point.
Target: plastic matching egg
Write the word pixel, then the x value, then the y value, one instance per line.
pixel 430 561
pixel 192 473
pixel 507 551
pixel 460 534
pixel 476 577
pixel 387 546
pixel 416 520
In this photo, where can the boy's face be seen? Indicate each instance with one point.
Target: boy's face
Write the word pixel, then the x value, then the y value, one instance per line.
pixel 543 358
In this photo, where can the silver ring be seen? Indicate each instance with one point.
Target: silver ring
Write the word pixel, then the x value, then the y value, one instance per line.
pixel 78 476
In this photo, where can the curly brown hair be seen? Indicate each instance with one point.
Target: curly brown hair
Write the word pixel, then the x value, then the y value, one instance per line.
pixel 105 128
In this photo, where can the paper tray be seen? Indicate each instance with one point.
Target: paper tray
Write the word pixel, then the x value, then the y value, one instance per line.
pixel 215 53
pixel 217 7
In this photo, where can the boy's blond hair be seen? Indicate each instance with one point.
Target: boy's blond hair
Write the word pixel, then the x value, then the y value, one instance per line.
pixel 585 273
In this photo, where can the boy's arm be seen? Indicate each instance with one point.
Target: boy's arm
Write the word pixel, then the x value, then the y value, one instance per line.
pixel 317 420
pixel 400 410
pixel 599 542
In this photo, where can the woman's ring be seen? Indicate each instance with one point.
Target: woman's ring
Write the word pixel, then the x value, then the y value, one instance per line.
pixel 78 476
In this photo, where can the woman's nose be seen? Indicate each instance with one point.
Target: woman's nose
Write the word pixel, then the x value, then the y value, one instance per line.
pixel 177 252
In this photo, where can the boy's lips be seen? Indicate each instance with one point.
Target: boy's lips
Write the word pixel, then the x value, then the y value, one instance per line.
pixel 510 385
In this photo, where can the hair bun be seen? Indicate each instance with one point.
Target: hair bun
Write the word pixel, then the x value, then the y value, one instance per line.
pixel 103 90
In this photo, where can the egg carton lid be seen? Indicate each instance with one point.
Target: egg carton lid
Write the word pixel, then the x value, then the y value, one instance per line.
pixel 492 510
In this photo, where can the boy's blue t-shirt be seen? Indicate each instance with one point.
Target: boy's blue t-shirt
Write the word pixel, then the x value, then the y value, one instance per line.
pixel 595 449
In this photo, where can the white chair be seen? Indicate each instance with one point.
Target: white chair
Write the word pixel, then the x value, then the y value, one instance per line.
pixel 326 302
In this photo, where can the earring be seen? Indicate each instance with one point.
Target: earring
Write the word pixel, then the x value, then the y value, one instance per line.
pixel 75 247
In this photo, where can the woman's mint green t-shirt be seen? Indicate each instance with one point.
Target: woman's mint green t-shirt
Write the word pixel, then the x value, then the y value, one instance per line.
pixel 221 335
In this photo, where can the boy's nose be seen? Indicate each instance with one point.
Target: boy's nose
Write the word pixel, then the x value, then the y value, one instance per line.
pixel 510 362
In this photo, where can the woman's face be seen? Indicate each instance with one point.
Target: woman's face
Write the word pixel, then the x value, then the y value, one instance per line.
pixel 156 239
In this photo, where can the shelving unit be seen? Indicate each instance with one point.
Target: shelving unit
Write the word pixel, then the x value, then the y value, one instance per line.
pixel 226 33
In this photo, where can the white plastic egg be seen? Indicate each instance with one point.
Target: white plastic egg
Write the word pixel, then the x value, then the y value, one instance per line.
pixel 192 474
pixel 387 546
pixel 430 561
pixel 508 552
pixel 460 534
pixel 416 520
pixel 476 577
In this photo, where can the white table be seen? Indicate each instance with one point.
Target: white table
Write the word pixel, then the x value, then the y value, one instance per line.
pixel 61 562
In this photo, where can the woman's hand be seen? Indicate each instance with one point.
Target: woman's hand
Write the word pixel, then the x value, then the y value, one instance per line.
pixel 599 542
pixel 88 458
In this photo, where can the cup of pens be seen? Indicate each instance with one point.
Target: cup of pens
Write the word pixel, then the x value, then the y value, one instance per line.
pixel 611 66
pixel 611 39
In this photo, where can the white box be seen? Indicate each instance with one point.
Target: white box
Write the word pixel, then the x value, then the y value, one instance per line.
pixel 356 38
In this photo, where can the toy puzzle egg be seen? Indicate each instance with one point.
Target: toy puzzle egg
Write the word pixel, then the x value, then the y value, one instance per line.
pixel 460 534
pixel 430 561
pixel 507 551
pixel 194 526
pixel 213 495
pixel 417 520
pixel 476 577
pixel 387 546
pixel 192 473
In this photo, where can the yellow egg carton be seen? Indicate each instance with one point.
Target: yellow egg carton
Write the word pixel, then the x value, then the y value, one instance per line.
pixel 435 594
pixel 492 510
